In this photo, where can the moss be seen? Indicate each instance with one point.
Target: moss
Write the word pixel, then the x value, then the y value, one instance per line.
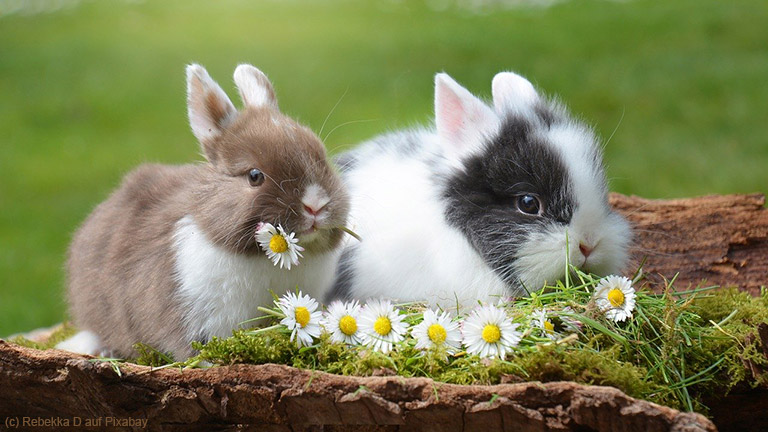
pixel 149 356
pixel 737 314
pixel 557 363
pixel 63 332
pixel 273 346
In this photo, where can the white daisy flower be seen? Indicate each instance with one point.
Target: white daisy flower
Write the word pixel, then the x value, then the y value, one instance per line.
pixel 488 332
pixel 341 321
pixel 282 248
pixel 301 317
pixel 541 320
pixel 437 330
pixel 552 325
pixel 615 296
pixel 381 325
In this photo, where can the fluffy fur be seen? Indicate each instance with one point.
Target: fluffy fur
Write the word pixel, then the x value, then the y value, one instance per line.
pixel 437 208
pixel 172 257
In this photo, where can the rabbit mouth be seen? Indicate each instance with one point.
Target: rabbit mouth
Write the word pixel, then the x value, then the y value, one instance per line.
pixel 313 233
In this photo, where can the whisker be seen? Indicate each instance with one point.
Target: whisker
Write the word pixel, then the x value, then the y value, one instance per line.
pixel 345 124
pixel 331 112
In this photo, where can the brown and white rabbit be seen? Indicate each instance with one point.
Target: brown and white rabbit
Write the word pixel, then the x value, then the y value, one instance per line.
pixel 171 256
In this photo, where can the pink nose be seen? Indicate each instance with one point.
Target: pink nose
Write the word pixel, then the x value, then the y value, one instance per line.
pixel 314 211
pixel 585 250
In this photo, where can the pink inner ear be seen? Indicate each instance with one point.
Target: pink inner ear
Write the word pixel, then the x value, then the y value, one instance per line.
pixel 450 115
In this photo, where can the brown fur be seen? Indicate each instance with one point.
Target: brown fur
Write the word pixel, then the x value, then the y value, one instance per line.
pixel 121 261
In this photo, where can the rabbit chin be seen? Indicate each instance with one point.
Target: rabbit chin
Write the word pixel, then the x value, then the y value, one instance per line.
pixel 320 239
pixel 542 258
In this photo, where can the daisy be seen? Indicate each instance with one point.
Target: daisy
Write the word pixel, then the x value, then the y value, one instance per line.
pixel 281 248
pixel 489 333
pixel 552 325
pixel 437 331
pixel 542 321
pixel 301 317
pixel 381 325
pixel 615 296
pixel 341 321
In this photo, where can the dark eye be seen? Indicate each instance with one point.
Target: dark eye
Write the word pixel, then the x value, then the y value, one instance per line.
pixel 528 204
pixel 255 177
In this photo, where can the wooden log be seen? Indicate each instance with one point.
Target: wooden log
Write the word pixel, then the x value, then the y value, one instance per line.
pixel 61 388
pixel 714 240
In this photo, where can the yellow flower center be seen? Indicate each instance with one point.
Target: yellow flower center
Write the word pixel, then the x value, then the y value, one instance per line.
pixel 382 326
pixel 549 327
pixel 302 316
pixel 348 325
pixel 491 333
pixel 278 244
pixel 616 297
pixel 437 334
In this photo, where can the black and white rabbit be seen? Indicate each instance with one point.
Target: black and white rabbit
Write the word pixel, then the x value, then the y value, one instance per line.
pixel 481 206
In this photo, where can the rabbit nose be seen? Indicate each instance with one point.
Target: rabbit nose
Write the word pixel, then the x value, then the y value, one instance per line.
pixel 315 199
pixel 585 250
pixel 313 209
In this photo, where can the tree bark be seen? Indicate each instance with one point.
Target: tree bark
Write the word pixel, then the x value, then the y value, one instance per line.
pixel 711 240
pixel 720 239
pixel 59 387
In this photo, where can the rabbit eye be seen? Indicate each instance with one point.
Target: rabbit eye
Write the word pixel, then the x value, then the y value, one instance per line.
pixel 528 204
pixel 255 177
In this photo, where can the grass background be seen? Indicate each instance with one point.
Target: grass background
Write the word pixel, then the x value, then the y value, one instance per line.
pixel 91 90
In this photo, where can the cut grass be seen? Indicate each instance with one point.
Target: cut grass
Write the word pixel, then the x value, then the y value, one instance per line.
pixel 92 91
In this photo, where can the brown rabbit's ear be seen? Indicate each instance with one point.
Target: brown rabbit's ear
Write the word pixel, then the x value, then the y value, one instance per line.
pixel 209 108
pixel 254 87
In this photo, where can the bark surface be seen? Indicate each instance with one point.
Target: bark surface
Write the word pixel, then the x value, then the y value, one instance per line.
pixel 720 240
pixel 56 386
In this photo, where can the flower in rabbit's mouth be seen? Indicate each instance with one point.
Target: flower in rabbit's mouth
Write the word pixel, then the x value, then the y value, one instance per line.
pixel 301 317
pixel 615 296
pixel 489 333
pixel 282 248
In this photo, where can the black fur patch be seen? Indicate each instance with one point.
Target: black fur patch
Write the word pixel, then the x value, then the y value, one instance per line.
pixel 481 200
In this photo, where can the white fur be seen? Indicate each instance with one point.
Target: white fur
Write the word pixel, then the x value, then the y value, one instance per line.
pixel 83 342
pixel 512 92
pixel 219 289
pixel 255 88
pixel 199 85
pixel 409 252
pixel 462 121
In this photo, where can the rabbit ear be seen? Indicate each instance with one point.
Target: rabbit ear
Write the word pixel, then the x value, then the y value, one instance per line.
pixel 461 119
pixel 511 92
pixel 209 108
pixel 255 88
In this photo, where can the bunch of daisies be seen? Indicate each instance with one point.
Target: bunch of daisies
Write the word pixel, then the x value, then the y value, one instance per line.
pixel 488 331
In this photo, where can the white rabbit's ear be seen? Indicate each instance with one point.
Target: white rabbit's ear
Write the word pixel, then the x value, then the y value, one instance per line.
pixel 511 92
pixel 255 88
pixel 462 120
pixel 209 108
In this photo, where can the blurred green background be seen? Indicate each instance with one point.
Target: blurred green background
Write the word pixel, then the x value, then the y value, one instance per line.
pixel 90 89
